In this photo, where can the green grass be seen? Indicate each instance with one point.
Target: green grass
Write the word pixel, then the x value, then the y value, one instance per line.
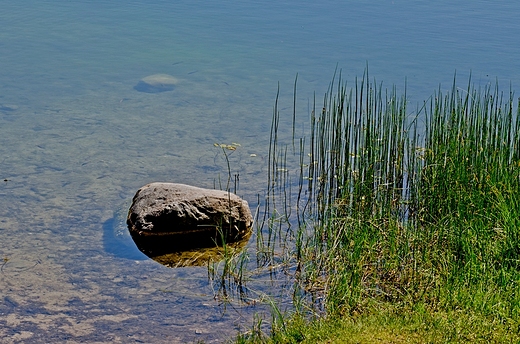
pixel 408 222
pixel 385 324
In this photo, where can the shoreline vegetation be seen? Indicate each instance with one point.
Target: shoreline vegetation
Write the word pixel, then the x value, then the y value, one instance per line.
pixel 394 225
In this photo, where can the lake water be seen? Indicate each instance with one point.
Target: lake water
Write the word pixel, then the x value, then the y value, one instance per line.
pixel 77 140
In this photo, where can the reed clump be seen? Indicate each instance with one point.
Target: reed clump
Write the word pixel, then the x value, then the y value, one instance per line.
pixel 400 212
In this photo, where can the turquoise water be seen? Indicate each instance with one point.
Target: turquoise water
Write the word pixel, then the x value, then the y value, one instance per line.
pixel 77 141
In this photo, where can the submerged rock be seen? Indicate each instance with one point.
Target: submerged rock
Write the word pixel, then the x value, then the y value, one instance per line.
pixel 156 83
pixel 8 107
pixel 168 217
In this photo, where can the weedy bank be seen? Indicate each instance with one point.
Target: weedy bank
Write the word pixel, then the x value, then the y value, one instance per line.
pixel 396 224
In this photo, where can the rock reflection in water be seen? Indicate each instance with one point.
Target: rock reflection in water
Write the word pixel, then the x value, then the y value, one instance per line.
pixel 199 256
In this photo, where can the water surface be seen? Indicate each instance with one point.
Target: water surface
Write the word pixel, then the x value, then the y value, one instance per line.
pixel 77 140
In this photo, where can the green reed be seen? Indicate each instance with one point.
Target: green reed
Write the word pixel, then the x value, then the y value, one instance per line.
pixel 361 185
pixel 400 206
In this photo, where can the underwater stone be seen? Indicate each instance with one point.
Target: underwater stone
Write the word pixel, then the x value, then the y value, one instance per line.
pixel 156 83
pixel 170 217
pixel 8 107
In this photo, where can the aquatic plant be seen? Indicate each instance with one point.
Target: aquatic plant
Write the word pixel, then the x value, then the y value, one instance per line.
pixel 408 209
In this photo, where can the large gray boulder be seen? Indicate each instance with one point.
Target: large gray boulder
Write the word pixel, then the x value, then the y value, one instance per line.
pixel 169 217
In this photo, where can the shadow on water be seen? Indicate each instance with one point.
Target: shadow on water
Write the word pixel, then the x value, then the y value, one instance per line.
pixel 117 240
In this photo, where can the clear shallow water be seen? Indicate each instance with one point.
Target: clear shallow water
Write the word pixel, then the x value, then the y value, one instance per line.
pixel 77 141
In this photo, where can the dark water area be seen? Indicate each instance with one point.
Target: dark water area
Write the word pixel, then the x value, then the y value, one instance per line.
pixel 77 139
